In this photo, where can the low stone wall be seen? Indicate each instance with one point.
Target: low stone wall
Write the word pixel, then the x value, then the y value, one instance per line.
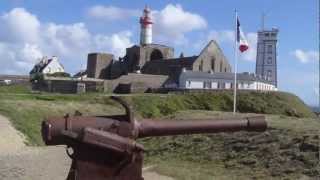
pixel 131 83
pixel 135 83
pixel 69 85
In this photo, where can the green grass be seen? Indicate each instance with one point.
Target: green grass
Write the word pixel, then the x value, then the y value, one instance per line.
pixel 26 109
pixel 5 89
pixel 255 102
pixel 275 154
pixel 279 153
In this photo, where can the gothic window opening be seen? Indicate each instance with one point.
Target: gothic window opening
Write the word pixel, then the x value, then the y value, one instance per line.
pixel 156 54
pixel 201 66
pixel 213 64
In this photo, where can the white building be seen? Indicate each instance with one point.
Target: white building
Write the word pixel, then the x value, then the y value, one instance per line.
pixel 47 66
pixel 202 80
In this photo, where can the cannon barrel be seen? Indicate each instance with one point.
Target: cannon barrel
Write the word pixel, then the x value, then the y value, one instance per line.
pixel 52 129
pixel 166 128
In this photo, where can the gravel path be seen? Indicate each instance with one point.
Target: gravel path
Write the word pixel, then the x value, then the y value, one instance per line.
pixel 20 162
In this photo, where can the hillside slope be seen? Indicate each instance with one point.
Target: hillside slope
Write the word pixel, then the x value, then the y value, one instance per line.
pixel 248 102
pixel 287 150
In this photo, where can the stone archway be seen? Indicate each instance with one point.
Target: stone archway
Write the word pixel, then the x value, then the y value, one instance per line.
pixel 156 54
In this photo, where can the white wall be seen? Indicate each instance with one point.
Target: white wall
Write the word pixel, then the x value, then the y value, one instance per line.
pixel 243 85
pixel 195 85
pixel 214 85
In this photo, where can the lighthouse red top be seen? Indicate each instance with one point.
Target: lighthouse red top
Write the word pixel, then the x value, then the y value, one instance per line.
pixel 146 19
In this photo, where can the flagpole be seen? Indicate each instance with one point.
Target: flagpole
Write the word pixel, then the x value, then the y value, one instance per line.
pixel 235 66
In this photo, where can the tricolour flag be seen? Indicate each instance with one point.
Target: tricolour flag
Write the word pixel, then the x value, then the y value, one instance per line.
pixel 241 39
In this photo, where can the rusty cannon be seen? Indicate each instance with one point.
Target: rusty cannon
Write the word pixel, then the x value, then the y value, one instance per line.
pixel 104 147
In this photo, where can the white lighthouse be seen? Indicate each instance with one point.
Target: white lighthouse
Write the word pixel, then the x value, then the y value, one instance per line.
pixel 146 27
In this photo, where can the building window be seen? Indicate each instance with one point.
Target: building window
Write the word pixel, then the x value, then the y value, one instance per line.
pixel 269 75
pixel 207 85
pixel 267 34
pixel 213 64
pixel 222 85
pixel 225 69
pixel 269 61
pixel 188 83
pixel 201 66
pixel 221 66
pixel 241 85
pixel 269 49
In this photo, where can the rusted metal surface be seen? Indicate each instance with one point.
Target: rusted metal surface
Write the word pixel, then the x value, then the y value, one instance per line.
pixel 104 147
pixel 167 128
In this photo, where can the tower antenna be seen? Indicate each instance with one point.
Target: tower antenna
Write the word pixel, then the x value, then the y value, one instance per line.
pixel 262 20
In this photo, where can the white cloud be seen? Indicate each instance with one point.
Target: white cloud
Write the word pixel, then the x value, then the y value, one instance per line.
pixel 221 36
pixel 111 13
pixel 116 43
pixel 19 25
pixel 66 40
pixel 305 56
pixel 173 22
pixel 24 39
pixel 170 23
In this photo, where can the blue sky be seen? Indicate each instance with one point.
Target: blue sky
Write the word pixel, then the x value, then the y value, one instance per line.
pixel 70 29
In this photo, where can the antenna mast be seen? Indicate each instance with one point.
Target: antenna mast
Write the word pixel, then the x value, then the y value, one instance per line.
pixel 262 20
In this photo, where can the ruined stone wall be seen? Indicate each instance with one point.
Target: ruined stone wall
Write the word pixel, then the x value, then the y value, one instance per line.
pixel 138 56
pixel 99 65
pixel 67 85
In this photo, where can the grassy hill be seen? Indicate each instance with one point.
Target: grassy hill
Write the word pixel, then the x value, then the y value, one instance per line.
pixel 27 109
pixel 287 150
pixel 248 102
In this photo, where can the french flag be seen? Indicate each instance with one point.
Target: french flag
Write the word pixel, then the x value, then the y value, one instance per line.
pixel 241 39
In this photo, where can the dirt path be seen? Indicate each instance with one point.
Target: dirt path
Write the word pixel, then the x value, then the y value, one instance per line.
pixel 11 140
pixel 20 162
